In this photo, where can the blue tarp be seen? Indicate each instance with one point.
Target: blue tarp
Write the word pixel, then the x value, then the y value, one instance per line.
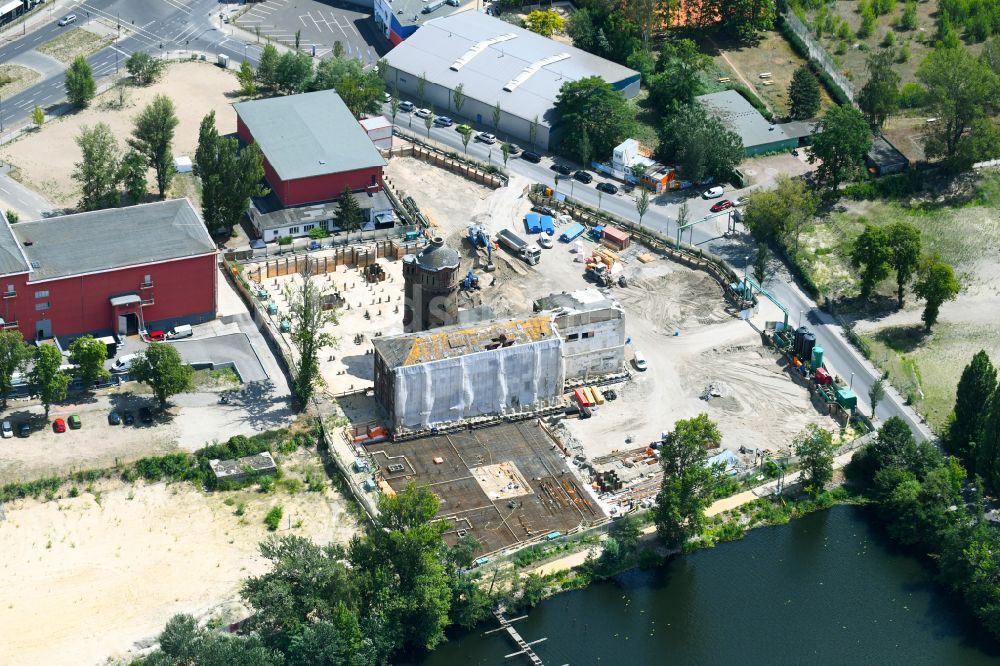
pixel 547 226
pixel 572 231
pixel 726 458
pixel 532 223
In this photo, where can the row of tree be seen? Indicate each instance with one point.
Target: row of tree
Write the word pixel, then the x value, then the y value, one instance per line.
pixel 79 78
pixel 395 588
pixel 159 366
pixel 973 431
pixel 926 504
pixel 292 72
pixel 103 169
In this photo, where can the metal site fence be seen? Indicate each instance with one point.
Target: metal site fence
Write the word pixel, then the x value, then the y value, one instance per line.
pixel 819 54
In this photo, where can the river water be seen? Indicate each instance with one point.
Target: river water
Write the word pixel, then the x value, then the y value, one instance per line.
pixel 825 589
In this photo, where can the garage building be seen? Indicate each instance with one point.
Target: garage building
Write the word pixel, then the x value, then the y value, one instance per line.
pixel 757 133
pixel 497 63
pixel 119 270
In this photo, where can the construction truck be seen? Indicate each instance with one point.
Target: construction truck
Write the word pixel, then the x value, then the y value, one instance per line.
pixel 530 253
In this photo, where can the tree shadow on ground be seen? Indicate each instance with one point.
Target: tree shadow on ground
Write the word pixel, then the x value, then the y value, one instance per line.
pixel 264 411
pixel 903 339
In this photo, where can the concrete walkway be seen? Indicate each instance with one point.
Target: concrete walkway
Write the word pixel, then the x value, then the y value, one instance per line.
pixel 44 64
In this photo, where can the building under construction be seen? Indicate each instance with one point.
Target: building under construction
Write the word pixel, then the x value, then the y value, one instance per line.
pixel 430 287
pixel 495 368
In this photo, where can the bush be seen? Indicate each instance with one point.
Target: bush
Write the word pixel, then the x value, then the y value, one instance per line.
pixel 316 233
pixel 273 518
pixel 912 96
pixel 12 216
pixel 285 240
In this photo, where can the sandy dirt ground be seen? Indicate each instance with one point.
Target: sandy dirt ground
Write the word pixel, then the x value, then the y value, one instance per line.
pixel 85 580
pixel 760 406
pixel 46 159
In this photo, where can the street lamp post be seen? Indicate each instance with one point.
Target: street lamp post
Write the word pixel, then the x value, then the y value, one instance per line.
pixel 851 385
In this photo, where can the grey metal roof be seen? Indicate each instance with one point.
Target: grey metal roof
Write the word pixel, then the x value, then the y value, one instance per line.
pixel 441 42
pixel 411 12
pixel 754 129
pixel 113 238
pixel 268 213
pixel 884 154
pixel 312 134
pixel 437 255
pixel 11 259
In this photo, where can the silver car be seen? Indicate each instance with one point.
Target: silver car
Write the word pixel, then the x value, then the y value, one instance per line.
pixel 6 430
pixel 66 20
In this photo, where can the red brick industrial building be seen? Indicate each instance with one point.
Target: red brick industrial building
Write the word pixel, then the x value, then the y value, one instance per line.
pixel 313 146
pixel 118 270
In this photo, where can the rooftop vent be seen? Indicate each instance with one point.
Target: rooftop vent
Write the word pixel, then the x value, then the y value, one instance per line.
pixel 530 70
pixel 28 242
pixel 478 48
pixel 35 264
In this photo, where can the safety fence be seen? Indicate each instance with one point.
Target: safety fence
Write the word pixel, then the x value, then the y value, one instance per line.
pixel 426 151
pixel 818 54
pixel 359 256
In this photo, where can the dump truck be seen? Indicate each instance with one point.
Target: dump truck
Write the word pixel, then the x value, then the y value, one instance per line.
pixel 530 253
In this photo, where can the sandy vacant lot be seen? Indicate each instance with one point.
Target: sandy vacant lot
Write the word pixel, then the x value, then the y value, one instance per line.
pixel 46 158
pixel 84 580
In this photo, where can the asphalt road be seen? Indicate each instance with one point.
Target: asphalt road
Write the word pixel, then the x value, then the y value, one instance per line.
pixel 737 249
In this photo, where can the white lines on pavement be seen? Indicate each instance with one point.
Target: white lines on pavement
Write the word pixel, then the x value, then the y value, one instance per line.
pixel 176 4
pixel 143 27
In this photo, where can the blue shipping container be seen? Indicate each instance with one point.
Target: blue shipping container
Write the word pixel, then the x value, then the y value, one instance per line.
pixel 547 226
pixel 532 223
pixel 572 232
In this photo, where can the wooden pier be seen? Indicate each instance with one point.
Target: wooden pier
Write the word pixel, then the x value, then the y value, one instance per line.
pixel 525 646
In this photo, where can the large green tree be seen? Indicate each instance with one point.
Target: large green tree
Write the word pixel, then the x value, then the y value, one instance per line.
pixel 879 97
pixel 308 319
pixel 132 175
pixel 79 82
pixel 987 450
pixel 905 246
pixel 699 143
pixel 872 253
pixel 267 67
pixel 972 403
pixel 362 92
pixel 293 72
pixel 183 642
pixel 960 89
pixel 778 214
pixel 841 140
pixel 803 94
pixel 46 378
pixel 678 78
pixel 936 283
pixel 746 19
pixel 687 479
pixel 229 176
pixel 98 169
pixel 144 68
pixel 591 107
pixel 153 137
pixel 161 367
pixel 14 357
pixel 88 355
pixel 814 446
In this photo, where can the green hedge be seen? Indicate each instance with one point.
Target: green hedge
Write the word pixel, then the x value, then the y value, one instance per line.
pixel 836 92
pixel 754 100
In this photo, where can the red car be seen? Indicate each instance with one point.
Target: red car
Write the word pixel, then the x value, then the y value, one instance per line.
pixel 157 336
pixel 59 425
pixel 722 205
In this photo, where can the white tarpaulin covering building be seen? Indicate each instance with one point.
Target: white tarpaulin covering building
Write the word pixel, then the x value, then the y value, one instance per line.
pixel 461 372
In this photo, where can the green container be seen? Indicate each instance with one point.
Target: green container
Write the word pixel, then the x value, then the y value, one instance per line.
pixel 272 308
pixel 286 326
pixel 817 358
pixel 846 398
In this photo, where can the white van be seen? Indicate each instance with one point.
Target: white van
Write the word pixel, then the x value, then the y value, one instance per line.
pixel 182 331
pixel 640 362
pixel 124 363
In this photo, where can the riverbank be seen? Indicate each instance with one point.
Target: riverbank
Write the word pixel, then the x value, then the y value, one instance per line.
pixel 828 588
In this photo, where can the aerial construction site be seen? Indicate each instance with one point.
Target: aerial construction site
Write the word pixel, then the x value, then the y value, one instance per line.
pixel 525 365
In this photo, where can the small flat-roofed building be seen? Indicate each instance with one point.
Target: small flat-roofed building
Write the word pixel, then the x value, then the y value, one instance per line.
pixel 757 133
pixel 884 158
pixel 313 146
pixel 117 270
pixel 272 221
pixel 239 470
pixel 497 63
pixel 399 19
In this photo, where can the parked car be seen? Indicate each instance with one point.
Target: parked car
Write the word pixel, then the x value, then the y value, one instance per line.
pixel 530 156
pixel 123 363
pixel 640 362
pixel 583 176
pixel 59 425
pixel 6 430
pixel 443 121
pixel 607 188
pixel 545 241
pixel 128 418
pixel 628 188
pixel 713 192
pixel 740 201
pixel 182 331
pixel 74 422
pixel 561 169
pixel 721 206
pixel 146 415
pixel 486 137
pixel 422 113
pixel 406 106
pixel 66 20
pixel 387 98
pixel 157 336
pixel 24 430
pixel 544 210
pixel 315 245
pixel 114 418
pixel 513 148
pixel 463 128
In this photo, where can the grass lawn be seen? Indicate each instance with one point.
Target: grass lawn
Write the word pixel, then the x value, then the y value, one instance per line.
pixel 647 121
pixel 221 378
pixel 76 42
pixel 14 79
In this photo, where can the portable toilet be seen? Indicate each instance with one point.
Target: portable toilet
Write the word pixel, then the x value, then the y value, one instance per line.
pixel 817 358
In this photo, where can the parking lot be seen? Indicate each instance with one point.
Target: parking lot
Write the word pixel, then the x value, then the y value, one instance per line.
pixel 319 24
